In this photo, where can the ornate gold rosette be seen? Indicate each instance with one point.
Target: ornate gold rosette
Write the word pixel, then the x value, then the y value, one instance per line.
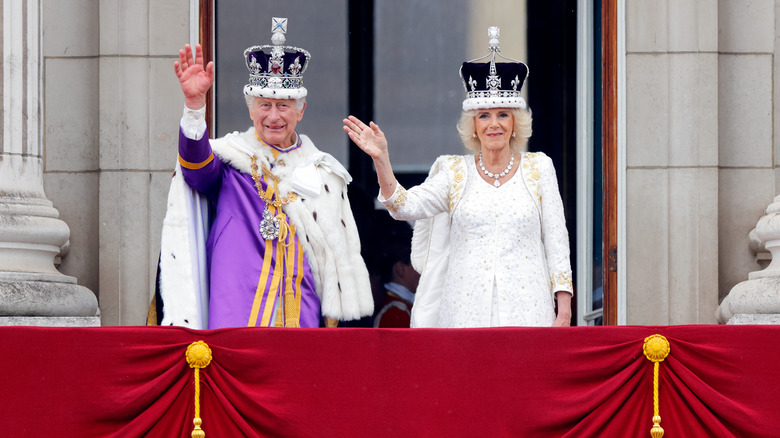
pixel 656 348
pixel 198 355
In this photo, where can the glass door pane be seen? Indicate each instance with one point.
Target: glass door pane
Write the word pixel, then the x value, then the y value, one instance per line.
pixel 589 170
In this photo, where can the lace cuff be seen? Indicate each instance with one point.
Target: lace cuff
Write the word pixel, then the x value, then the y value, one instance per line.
pixel 193 123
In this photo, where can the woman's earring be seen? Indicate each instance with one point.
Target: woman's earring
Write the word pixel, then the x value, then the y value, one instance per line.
pixel 473 135
pixel 514 134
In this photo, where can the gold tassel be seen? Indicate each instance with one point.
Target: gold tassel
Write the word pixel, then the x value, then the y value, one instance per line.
pixel 290 319
pixel 278 272
pixel 288 312
pixel 198 356
pixel 280 313
pixel 292 306
pixel 656 348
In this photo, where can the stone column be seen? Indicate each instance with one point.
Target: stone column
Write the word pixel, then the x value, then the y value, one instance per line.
pixel 32 291
pixel 757 300
pixel 672 192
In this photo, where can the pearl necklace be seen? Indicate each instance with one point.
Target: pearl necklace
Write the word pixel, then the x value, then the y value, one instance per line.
pixel 497 175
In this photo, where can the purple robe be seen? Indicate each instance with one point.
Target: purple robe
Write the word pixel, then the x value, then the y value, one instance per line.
pixel 243 287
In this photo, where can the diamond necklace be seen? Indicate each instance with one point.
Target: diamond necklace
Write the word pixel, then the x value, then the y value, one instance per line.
pixel 497 175
pixel 272 226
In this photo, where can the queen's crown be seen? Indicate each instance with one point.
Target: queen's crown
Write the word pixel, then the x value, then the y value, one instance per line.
pixel 491 84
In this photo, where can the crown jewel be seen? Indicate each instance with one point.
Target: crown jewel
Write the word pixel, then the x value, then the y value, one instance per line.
pixel 493 84
pixel 276 71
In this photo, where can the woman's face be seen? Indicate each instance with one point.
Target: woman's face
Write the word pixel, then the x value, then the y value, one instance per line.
pixel 494 128
pixel 275 120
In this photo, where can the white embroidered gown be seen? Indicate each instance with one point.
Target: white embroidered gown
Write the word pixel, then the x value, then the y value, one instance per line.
pixel 497 273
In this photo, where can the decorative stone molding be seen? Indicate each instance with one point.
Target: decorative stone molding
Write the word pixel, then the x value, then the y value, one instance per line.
pixel 32 291
pixel 757 300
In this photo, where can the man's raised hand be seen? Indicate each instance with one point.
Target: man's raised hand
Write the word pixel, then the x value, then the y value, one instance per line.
pixel 195 80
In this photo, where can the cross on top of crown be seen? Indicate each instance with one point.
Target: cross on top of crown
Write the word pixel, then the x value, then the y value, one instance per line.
pixel 493 34
pixel 279 25
pixel 278 30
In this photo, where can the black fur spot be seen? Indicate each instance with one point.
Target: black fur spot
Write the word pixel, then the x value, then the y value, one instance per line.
pixel 342 223
pixel 307 238
pixel 173 255
pixel 187 321
pixel 326 188
pixel 314 213
pixel 342 195
pixel 339 285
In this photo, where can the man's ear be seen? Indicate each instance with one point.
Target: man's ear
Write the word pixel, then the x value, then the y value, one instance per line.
pixel 250 106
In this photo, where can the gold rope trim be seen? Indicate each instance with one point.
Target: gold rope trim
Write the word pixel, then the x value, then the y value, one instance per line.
pixel 656 348
pixel 289 308
pixel 196 166
pixel 198 356
pixel 259 292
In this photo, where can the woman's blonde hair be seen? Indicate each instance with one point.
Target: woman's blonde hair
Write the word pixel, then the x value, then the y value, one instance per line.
pixel 522 127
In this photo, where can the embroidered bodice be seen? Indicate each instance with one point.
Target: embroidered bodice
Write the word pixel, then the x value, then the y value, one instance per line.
pixel 501 241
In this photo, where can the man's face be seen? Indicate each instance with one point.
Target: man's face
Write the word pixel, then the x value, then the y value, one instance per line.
pixel 275 120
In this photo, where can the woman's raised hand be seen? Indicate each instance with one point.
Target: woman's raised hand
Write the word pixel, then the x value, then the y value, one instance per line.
pixel 369 137
pixel 195 80
pixel 373 142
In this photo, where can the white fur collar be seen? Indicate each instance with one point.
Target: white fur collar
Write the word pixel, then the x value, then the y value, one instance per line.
pixel 297 169
pixel 236 150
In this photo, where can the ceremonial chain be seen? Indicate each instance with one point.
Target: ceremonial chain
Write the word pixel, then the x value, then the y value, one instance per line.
pixel 272 226
pixel 497 175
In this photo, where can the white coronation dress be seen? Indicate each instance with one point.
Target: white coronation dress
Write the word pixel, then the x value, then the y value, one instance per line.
pixel 508 252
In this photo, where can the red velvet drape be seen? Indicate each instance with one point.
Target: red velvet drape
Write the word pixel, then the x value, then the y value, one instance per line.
pixel 719 381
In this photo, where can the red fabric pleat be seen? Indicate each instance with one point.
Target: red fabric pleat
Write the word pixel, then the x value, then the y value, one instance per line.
pixel 718 381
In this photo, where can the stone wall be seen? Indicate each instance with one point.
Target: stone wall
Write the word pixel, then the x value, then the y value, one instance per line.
pixel 32 236
pixel 112 106
pixel 700 169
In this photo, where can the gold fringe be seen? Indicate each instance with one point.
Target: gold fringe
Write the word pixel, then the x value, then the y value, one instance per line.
pixel 151 316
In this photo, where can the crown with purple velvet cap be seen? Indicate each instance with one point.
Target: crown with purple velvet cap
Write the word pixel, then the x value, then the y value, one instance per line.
pixel 491 84
pixel 276 71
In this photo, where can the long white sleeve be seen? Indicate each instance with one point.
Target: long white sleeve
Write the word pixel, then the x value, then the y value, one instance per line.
pixel 193 123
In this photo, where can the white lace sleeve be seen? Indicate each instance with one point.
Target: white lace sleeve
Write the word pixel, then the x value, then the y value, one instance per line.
pixel 425 200
pixel 193 123
pixel 554 233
